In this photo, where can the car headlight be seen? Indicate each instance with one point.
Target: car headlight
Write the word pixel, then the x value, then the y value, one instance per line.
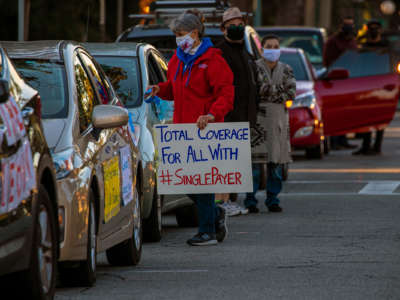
pixel 63 162
pixel 305 100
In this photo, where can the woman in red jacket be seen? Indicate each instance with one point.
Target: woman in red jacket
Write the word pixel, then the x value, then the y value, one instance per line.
pixel 200 83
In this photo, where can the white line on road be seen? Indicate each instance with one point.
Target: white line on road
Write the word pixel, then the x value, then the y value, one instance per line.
pixel 166 271
pixel 379 188
pixel 331 194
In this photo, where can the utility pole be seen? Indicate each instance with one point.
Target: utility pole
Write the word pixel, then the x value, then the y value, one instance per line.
pixel 257 7
pixel 120 9
pixel 309 13
pixel 21 19
pixel 102 20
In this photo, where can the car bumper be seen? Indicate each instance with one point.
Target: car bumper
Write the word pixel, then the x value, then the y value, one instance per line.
pixel 306 128
pixel 16 232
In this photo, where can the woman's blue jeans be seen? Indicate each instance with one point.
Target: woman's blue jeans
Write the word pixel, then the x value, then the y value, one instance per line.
pixel 274 185
pixel 207 211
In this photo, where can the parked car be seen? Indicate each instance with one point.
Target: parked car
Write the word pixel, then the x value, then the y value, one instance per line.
pixel 310 39
pixel 131 68
pixel 29 232
pixel 97 163
pixel 306 125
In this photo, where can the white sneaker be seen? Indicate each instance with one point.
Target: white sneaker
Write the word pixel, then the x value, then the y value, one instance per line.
pixel 243 210
pixel 230 210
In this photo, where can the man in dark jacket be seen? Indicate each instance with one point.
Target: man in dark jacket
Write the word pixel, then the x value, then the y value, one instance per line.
pixel 336 45
pixel 243 68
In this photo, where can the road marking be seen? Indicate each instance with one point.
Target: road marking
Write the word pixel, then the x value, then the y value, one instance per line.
pixel 333 194
pixel 166 271
pixel 379 188
pixel 377 170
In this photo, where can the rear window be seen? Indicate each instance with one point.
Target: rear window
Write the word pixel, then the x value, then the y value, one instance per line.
pixel 311 42
pixel 296 62
pixel 366 63
pixel 124 75
pixel 48 78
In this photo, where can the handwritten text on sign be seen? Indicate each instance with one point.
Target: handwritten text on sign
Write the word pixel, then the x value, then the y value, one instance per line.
pixel 214 160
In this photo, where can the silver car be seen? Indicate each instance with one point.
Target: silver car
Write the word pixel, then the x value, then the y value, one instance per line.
pixel 95 158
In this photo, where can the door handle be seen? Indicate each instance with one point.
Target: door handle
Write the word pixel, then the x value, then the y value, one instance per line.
pixel 389 87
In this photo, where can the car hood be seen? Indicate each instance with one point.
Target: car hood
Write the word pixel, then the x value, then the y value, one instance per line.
pixel 304 87
pixel 53 131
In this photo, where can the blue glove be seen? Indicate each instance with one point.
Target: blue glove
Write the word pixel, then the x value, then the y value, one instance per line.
pixel 150 99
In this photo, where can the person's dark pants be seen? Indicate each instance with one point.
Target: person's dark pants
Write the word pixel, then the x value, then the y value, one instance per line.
pixel 207 211
pixel 367 137
pixel 274 185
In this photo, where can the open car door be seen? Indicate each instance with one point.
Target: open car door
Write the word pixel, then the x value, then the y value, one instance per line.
pixel 359 92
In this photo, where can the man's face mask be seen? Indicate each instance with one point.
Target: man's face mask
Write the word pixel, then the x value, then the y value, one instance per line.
pixel 185 42
pixel 235 32
pixel 272 55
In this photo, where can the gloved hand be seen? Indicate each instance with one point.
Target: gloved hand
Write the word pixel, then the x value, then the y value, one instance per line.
pixel 152 98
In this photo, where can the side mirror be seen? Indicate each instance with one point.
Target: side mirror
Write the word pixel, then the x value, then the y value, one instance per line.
pixel 109 116
pixel 337 74
pixel 4 91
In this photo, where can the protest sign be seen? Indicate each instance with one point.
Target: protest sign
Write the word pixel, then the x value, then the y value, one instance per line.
pixel 214 160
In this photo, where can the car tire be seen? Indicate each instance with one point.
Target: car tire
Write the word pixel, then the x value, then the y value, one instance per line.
pixel 85 273
pixel 152 230
pixel 128 252
pixel 40 279
pixel 316 152
pixel 186 216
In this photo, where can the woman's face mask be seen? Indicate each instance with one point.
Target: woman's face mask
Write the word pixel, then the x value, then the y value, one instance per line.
pixel 185 42
pixel 235 32
pixel 272 55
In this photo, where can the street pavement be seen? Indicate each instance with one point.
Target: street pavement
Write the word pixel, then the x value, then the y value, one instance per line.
pixel 338 238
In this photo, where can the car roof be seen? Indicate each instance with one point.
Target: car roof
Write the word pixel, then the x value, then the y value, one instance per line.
pixel 51 49
pixel 289 28
pixel 143 31
pixel 291 50
pixel 118 49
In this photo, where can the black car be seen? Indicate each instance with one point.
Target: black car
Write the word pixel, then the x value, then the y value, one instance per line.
pixel 29 232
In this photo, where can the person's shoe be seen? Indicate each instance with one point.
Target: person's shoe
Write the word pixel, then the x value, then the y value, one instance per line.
pixel 274 208
pixel 372 152
pixel 203 239
pixel 230 209
pixel 253 209
pixel 240 209
pixel 221 229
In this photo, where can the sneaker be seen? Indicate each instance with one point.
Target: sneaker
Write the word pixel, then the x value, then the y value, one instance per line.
pixel 221 228
pixel 274 208
pixel 229 209
pixel 241 209
pixel 253 209
pixel 203 239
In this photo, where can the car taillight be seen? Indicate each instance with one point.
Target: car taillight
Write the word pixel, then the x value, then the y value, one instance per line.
pixel 398 68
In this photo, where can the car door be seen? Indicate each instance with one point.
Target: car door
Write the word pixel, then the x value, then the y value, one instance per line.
pixel 106 160
pixel 365 100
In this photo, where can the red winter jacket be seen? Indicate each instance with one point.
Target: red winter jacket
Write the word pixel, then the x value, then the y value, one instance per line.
pixel 209 89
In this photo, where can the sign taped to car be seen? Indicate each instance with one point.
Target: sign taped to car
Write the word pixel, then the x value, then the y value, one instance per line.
pixel 214 160
pixel 112 193
pixel 126 170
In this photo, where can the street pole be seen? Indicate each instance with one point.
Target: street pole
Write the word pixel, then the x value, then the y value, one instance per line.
pixel 21 18
pixel 120 5
pixel 258 13
pixel 102 20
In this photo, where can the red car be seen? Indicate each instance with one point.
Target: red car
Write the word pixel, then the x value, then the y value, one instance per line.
pixel 306 126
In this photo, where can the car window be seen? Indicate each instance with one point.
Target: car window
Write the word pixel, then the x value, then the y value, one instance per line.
pixel 48 77
pixel 296 62
pixel 87 99
pixel 99 82
pixel 362 64
pixel 154 73
pixel 311 42
pixel 124 75
pixel 162 65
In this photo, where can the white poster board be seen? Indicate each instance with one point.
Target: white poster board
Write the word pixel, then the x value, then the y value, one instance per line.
pixel 214 160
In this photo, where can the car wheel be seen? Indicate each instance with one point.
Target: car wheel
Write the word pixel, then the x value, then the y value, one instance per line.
pixel 316 152
pixel 152 225
pixel 85 273
pixel 40 279
pixel 128 253
pixel 186 216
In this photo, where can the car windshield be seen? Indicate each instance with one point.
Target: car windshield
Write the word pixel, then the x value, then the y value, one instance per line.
pixel 296 62
pixel 124 75
pixel 311 43
pixel 364 63
pixel 48 78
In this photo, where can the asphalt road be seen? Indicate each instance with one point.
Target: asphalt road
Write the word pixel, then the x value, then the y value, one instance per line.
pixel 338 238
